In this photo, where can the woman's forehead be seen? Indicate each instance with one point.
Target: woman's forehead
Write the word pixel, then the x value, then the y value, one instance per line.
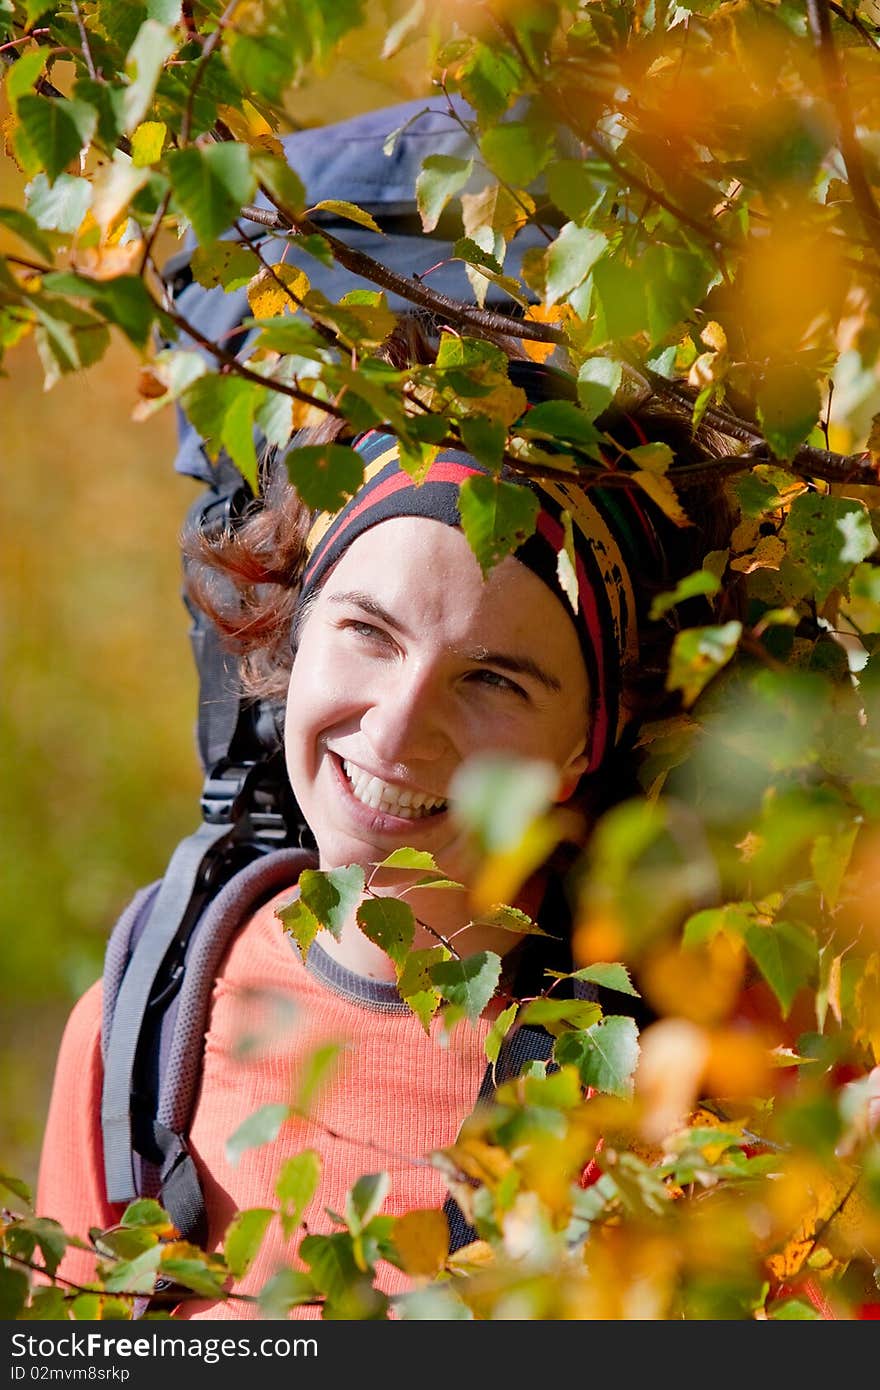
pixel 423 572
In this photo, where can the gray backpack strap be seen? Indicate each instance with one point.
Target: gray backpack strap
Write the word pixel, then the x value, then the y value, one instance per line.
pixel 157 1018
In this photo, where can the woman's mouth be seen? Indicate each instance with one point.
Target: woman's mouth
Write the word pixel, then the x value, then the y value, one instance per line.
pixel 390 798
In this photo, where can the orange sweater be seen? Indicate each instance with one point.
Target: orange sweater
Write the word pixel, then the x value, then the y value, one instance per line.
pixel 396 1095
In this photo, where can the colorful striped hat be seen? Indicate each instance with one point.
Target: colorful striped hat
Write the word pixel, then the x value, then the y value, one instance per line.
pixel 616 537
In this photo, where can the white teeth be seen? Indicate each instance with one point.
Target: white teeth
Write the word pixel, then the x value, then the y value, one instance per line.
pixel 386 796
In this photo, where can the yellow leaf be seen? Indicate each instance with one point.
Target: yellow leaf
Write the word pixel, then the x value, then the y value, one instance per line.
pixel 867 1002
pixel 768 554
pixel 672 1056
pixel 422 1241
pixel 271 292
pixel 661 491
pixel 555 314
pixel 348 210
pixel 147 142
pixel 250 128
pixel 502 875
pixel 106 262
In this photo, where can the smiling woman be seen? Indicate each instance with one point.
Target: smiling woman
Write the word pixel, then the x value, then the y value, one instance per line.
pixel 394 661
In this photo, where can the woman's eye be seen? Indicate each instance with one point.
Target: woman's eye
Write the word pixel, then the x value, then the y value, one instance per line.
pixel 498 682
pixel 361 629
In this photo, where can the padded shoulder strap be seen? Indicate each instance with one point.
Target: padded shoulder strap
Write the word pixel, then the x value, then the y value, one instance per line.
pixel 153 1052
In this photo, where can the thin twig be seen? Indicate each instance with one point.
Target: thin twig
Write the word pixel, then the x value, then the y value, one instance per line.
pixel 835 81
pixel 211 43
pixel 86 47
pixel 442 305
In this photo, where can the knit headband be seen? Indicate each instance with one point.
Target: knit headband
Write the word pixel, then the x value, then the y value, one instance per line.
pixel 611 530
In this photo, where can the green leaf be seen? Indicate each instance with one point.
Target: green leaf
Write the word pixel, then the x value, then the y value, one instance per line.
pixel 517 151
pixel 620 295
pixel 608 974
pixel 786 956
pixel 793 1310
pixel 14 1289
pixel 566 563
pixel 46 1305
pixel 318 1069
pixel 226 263
pixel 598 383
pixel 16 1187
pixel 485 439
pixel 282 184
pixel 49 1235
pixel 59 206
pixel 409 859
pixel 675 283
pixel 289 1288
pixel 194 1273
pixel 416 985
pixel 606 1055
pixel 826 538
pixel 561 420
pixel 788 407
pixel 211 185
pixel 490 79
pixel 561 1015
pixel 351 211
pixel 332 1263
pixel 700 582
pixel 244 1236
pixel 261 1127
pixel 465 249
pixel 698 654
pixel 569 260
pixel 222 410
pixel 498 797
pixel 501 1026
pixel 470 983
pixel 365 1199
pixel 496 517
pixel 143 65
pixel 511 919
pixel 135 1276
pixel 52 131
pixel 829 860
pixel 123 300
pixel 325 475
pixel 572 189
pixel 440 178
pixel 264 64
pixel 145 1213
pixel 300 923
pixel 21 77
pixel 295 1186
pixel 86 1307
pixel 389 923
pixel 332 895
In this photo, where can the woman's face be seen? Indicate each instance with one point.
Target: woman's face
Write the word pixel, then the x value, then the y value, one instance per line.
pixel 408 664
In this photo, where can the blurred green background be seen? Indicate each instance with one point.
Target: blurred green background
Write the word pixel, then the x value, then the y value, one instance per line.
pixel 101 774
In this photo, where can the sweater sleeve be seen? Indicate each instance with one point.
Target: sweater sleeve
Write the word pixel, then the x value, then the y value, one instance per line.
pixel 70 1182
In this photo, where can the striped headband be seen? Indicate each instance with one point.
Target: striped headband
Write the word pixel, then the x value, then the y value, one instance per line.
pixel 612 532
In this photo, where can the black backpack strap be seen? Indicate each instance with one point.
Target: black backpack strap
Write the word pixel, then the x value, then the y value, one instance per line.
pixel 523 1045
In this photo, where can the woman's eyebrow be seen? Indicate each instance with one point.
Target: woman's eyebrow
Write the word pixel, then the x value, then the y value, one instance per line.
pixel 369 605
pixel 516 665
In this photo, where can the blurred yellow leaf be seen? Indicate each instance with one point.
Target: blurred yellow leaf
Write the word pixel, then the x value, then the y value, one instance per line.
pixel 422 1241
pixel 667 1081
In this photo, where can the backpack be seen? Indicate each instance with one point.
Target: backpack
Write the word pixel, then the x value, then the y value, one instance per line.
pixel 163 953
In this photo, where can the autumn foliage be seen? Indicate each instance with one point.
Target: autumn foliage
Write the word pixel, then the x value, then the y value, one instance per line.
pixel 707 177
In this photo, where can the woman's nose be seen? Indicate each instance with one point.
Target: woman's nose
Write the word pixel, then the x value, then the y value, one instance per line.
pixel 407 720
